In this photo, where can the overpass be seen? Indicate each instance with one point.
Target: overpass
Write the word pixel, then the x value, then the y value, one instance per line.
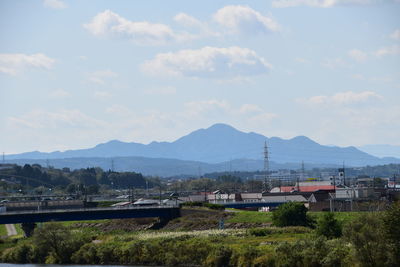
pixel 162 212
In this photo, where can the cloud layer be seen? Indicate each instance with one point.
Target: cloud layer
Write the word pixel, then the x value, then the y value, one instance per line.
pixel 244 20
pixel 229 19
pixel 323 3
pixel 342 98
pixel 208 62
pixel 111 25
pixel 12 64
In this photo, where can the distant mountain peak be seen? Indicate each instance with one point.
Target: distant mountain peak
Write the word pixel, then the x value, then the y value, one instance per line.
pixel 221 126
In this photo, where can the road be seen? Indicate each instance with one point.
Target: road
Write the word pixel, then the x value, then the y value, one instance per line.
pixel 11 229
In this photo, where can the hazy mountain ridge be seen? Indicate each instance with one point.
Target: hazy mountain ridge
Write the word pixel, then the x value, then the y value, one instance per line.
pixel 161 166
pixel 381 150
pixel 221 143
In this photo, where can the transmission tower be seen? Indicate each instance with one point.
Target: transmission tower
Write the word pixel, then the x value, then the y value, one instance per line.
pixel 266 165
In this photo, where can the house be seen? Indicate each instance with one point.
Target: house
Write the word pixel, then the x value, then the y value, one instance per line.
pixel 251 197
pixel 219 197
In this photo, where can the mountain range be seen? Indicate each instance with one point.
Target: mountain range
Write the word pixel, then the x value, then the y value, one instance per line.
pixel 209 148
pixel 383 150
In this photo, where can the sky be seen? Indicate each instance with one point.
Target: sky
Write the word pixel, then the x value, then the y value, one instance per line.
pixel 74 74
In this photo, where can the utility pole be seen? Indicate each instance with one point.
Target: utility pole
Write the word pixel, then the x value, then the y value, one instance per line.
pixel 199 171
pixel 112 165
pixel 344 175
pixel 266 165
pixel 302 176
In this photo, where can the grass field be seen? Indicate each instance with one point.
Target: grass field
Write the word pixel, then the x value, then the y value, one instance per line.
pixel 250 217
pixel 240 216
pixel 3 230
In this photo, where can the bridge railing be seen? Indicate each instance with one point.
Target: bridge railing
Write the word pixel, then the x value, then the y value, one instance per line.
pixel 92 209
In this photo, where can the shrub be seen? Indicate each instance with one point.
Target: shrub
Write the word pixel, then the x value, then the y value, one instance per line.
pixel 19 254
pixel 291 214
pixel 214 206
pixel 57 241
pixel 312 252
pixel 328 226
pixel 259 231
pixel 220 257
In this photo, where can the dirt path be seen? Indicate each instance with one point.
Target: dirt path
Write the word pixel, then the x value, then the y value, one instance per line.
pixel 11 229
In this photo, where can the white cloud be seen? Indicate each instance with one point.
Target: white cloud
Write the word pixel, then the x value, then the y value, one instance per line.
pixel 55 4
pixel 389 50
pixel 208 62
pixel 111 25
pixel 244 20
pixel 101 76
pixel 395 35
pixel 200 29
pixel 343 98
pixel 60 93
pixel 357 55
pixel 322 3
pixel 187 20
pixel 12 64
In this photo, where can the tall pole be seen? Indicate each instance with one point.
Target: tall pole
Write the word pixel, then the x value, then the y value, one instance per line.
pixel 266 165
pixel 344 176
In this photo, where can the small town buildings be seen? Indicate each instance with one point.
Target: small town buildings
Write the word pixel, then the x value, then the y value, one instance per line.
pixel 251 197
pixel 310 186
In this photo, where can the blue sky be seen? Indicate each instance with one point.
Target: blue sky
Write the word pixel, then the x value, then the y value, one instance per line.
pixel 77 73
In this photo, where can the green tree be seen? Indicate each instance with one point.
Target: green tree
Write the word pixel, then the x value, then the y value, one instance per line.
pixel 367 240
pixel 291 214
pixel 58 242
pixel 391 230
pixel 328 226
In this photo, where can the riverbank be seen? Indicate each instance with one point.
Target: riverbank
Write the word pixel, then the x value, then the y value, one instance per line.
pixel 248 239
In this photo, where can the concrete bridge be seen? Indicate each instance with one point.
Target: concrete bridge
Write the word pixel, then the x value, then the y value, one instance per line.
pixel 162 212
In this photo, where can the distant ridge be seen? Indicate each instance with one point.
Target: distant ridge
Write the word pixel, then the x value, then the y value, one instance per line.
pixel 221 143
